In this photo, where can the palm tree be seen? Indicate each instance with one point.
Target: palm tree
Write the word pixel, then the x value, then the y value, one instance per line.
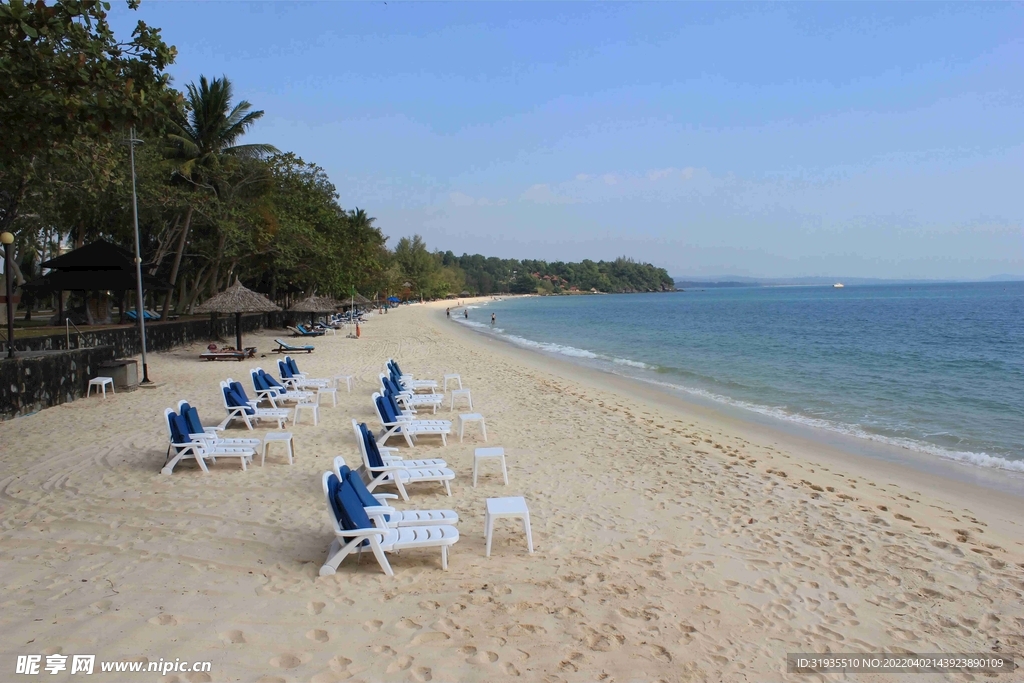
pixel 202 149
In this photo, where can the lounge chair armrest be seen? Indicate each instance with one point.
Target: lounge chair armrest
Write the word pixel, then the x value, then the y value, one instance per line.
pixel 362 533
pixel 379 510
pixel 381 497
pixel 387 450
pixel 386 467
pixel 213 430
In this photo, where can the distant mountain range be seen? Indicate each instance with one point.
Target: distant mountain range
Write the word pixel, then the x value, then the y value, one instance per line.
pixel 741 281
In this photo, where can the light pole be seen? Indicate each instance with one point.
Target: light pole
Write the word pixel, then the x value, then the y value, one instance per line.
pixel 8 241
pixel 139 306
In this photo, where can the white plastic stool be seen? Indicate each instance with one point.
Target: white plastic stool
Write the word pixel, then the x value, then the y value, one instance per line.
pixel 453 378
pixel 283 437
pixel 333 391
pixel 315 407
pixel 102 383
pixel 348 381
pixel 484 453
pixel 514 507
pixel 465 418
pixel 460 393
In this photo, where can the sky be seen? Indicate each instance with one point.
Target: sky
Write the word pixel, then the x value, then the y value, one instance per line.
pixel 783 140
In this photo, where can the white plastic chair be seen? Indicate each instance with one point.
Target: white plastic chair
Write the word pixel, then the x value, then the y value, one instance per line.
pixel 396 518
pixel 380 537
pixel 400 473
pixel 250 413
pixel 410 428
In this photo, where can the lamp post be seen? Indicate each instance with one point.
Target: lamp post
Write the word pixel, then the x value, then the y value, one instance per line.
pixel 139 305
pixel 8 241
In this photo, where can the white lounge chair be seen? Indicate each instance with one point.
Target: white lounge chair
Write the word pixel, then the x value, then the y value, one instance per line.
pixel 405 426
pixel 389 456
pixel 182 447
pixel 398 473
pixel 394 518
pixel 291 376
pixel 354 530
pixel 408 382
pixel 239 407
pixel 211 435
pixel 409 399
pixel 269 389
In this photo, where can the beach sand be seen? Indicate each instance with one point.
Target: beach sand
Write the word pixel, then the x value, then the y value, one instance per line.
pixel 671 544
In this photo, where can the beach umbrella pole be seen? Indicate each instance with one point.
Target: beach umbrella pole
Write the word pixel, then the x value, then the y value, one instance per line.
pixel 238 331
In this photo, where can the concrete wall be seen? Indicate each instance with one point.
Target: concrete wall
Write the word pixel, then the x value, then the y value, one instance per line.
pixel 37 382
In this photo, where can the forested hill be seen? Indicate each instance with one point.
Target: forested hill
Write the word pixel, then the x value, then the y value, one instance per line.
pixel 486 275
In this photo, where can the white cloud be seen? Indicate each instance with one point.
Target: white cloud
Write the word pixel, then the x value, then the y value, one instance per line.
pixel 463 199
pixel 541 193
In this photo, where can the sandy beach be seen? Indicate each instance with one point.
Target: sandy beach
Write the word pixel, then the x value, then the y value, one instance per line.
pixel 672 544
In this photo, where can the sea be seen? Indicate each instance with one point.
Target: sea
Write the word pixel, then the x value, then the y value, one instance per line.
pixel 933 368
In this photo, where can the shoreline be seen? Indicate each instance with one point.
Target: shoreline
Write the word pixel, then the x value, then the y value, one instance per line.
pixel 995 477
pixel 1000 493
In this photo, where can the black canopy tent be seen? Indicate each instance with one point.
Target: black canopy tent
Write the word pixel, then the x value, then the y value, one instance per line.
pixel 99 266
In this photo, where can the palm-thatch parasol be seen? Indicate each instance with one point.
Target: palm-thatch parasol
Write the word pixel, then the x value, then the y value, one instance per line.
pixel 313 304
pixel 238 300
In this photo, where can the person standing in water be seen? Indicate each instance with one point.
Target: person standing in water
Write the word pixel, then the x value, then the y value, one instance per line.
pixel 448 313
pixel 493 318
pixel 466 313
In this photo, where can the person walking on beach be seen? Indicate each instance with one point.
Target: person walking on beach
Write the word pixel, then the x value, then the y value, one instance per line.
pixel 448 313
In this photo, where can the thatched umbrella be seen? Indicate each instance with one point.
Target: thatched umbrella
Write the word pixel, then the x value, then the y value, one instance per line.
pixel 313 304
pixel 238 300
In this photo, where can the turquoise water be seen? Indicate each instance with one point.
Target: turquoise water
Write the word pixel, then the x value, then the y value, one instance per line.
pixel 934 368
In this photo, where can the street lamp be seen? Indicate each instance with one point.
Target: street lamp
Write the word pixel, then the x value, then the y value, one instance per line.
pixel 8 241
pixel 139 306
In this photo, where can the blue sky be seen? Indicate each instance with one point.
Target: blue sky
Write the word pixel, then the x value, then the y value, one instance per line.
pixel 876 140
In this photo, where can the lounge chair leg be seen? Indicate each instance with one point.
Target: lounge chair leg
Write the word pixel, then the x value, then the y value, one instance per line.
pixel 381 557
pixel 447 488
pixel 444 557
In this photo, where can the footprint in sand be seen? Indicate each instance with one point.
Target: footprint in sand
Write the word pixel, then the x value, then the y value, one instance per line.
pixel 373 625
pixel 285 661
pixel 164 620
pixel 422 673
pixel 232 637
pixel 318 634
pixel 430 637
pixel 400 664
pixel 315 607
pixel 408 624
pixel 339 664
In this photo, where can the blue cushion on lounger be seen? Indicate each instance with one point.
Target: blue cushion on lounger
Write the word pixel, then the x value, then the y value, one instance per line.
pixel 191 416
pixel 372 453
pixel 291 365
pixel 257 381
pixel 352 515
pixel 385 410
pixel 393 403
pixel 365 497
pixel 271 382
pixel 238 389
pixel 332 492
pixel 179 430
pixel 235 400
pixel 286 372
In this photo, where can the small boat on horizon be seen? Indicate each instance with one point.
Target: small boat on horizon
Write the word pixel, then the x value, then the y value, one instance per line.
pixel 838 285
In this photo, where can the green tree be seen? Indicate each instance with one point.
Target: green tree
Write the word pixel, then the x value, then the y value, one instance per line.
pixel 203 151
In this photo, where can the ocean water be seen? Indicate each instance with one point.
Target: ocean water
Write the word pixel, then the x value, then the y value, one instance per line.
pixel 935 368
